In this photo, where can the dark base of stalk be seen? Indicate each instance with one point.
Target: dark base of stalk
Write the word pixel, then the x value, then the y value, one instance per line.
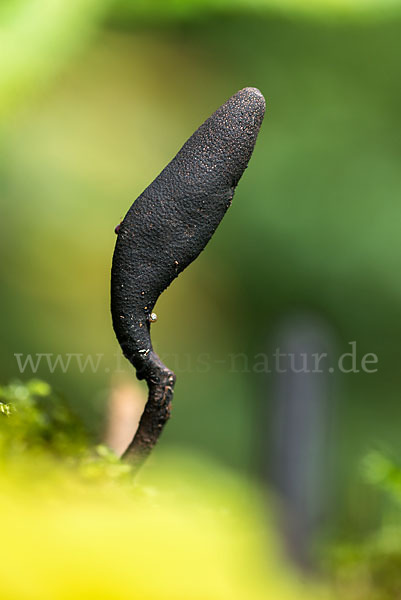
pixel 155 415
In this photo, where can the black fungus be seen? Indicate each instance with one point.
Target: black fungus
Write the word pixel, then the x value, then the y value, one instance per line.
pixel 165 230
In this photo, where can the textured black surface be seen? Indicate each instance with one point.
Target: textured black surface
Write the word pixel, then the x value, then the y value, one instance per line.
pixel 171 222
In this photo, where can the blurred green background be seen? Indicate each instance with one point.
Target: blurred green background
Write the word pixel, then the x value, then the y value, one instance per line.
pixel 97 96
